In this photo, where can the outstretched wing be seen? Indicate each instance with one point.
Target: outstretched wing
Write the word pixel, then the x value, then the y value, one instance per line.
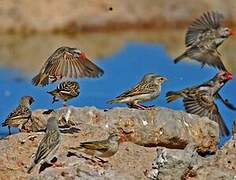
pixel 66 63
pixel 202 104
pixel 202 27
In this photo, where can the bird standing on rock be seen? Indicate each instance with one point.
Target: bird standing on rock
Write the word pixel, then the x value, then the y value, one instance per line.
pixel 203 38
pixel 49 144
pixel 65 91
pixel 147 89
pixel 66 62
pixel 200 99
pixel 104 148
pixel 19 117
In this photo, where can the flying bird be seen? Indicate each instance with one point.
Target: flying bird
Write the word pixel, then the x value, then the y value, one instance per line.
pixel 147 89
pixel 66 62
pixel 65 91
pixel 49 144
pixel 203 38
pixel 199 99
pixel 21 115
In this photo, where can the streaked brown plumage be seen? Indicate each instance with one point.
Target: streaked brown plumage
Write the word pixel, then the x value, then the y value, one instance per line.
pixel 66 62
pixel 20 115
pixel 203 38
pixel 147 89
pixel 234 130
pixel 104 148
pixel 200 99
pixel 49 144
pixel 65 91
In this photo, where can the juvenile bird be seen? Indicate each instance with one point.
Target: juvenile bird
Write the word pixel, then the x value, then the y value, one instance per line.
pixel 65 91
pixel 49 144
pixel 20 115
pixel 104 148
pixel 147 89
pixel 203 38
pixel 200 99
pixel 66 62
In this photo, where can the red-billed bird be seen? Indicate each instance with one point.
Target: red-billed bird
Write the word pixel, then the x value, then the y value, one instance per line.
pixel 199 99
pixel 203 38
pixel 66 62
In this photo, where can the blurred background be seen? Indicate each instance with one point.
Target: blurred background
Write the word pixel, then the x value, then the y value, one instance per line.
pixel 127 38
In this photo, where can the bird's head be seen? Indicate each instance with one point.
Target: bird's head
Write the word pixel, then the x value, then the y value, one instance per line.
pixel 223 76
pixel 26 100
pixel 152 77
pixel 114 137
pixel 81 54
pixel 225 32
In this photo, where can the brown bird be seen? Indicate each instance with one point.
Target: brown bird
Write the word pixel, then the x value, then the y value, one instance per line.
pixel 147 89
pixel 200 99
pixel 49 144
pixel 203 38
pixel 20 116
pixel 66 62
pixel 65 91
pixel 104 148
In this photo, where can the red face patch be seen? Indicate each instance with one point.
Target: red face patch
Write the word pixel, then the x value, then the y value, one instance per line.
pixel 82 56
pixel 229 75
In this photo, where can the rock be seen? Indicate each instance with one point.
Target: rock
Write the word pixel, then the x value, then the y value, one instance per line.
pixel 92 15
pixel 187 164
pixel 143 130
pixel 157 127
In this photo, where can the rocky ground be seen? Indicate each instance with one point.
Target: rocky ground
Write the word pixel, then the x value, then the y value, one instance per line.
pixel 159 144
pixel 93 15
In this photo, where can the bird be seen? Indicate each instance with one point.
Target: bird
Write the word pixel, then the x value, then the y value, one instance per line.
pixel 147 89
pixel 49 144
pixel 21 115
pixel 203 37
pixel 199 99
pixel 66 62
pixel 65 91
pixel 100 149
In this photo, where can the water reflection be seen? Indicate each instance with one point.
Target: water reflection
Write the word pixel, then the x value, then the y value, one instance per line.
pixel 122 70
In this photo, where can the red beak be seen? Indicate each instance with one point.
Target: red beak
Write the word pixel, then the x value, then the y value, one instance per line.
pixel 82 56
pixel 229 76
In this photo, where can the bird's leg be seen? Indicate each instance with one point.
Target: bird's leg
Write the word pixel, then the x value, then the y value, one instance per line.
pixel 139 106
pixel 101 160
pixel 65 104
pixel 9 130
pixel 57 164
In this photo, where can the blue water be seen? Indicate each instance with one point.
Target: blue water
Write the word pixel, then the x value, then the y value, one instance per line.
pixel 122 70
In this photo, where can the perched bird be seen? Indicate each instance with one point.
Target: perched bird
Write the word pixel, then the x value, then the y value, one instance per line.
pixel 66 62
pixel 200 99
pixel 203 38
pixel 104 148
pixel 20 115
pixel 49 144
pixel 147 89
pixel 65 91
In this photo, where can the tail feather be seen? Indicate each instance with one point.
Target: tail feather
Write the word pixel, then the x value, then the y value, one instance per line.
pixel 112 101
pixel 40 79
pixel 172 96
pixel 179 58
